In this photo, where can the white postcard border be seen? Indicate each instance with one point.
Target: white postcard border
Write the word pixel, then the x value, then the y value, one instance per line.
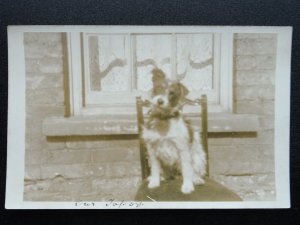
pixel 16 119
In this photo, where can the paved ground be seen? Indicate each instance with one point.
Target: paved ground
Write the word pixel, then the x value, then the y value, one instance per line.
pixel 248 187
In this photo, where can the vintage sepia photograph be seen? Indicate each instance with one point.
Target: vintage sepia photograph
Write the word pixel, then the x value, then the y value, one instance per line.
pixel 148 117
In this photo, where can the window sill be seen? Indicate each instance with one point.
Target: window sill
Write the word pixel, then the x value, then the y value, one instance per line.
pixel 126 124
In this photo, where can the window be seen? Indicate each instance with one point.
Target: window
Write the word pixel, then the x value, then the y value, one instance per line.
pixel 108 69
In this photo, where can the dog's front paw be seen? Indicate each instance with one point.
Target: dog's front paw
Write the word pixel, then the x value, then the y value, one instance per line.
pixel 187 188
pixel 153 182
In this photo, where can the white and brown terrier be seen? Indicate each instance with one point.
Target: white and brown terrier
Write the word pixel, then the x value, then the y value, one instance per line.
pixel 171 142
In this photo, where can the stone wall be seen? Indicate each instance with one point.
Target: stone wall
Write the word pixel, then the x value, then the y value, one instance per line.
pixel 97 168
pixel 68 168
pixel 245 162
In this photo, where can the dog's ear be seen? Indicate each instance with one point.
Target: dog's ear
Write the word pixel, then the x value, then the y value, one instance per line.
pixel 158 76
pixel 177 93
pixel 183 90
pixel 159 82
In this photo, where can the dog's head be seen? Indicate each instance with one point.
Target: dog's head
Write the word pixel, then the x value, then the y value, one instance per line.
pixel 159 81
pixel 166 95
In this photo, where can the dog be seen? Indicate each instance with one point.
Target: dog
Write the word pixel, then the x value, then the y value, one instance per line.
pixel 170 139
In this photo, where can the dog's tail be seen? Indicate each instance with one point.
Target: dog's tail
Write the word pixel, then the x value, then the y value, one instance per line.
pixel 198 156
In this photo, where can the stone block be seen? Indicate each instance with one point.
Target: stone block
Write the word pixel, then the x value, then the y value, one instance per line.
pixel 122 169
pixel 34 157
pixel 32 172
pixel 94 142
pixel 254 36
pixel 47 196
pixel 242 152
pixel 69 186
pixel 40 112
pixel 49 97
pixel 44 65
pixel 266 92
pixel 124 195
pixel 59 185
pixel 116 170
pixel 42 38
pixel 244 139
pixel 267 122
pixel 245 62
pixel 108 184
pixel 243 159
pixel 93 196
pixel 238 168
pixel 34 185
pixel 268 107
pixel 265 46
pixel 260 107
pixel 116 154
pixel 34 127
pixel 32 66
pixel 266 62
pixel 38 196
pixel 248 107
pixel 118 189
pixel 255 46
pixel 66 157
pixel 222 152
pixel 99 169
pixel 247 93
pixel 38 51
pixel 268 151
pixel 266 136
pixel 255 62
pixel 244 46
pixel 35 74
pixel 50 185
pixel 77 186
pixel 66 171
pixel 35 114
pixel 44 81
pixel 38 142
pixel 256 151
pixel 255 92
pixel 51 65
pixel 254 77
pixel 32 142
pixel 220 141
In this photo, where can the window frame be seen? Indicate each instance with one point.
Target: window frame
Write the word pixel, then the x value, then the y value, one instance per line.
pixel 77 73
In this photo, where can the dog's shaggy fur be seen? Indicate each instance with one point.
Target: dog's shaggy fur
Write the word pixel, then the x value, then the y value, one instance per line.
pixel 170 139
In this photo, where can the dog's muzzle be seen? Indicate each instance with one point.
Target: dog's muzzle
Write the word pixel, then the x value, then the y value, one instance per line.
pixel 160 101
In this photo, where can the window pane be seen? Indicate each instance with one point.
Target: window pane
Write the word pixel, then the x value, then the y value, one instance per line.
pixel 151 51
pixel 195 61
pixel 107 63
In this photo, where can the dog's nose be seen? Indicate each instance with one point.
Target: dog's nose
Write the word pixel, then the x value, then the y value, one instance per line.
pixel 160 101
